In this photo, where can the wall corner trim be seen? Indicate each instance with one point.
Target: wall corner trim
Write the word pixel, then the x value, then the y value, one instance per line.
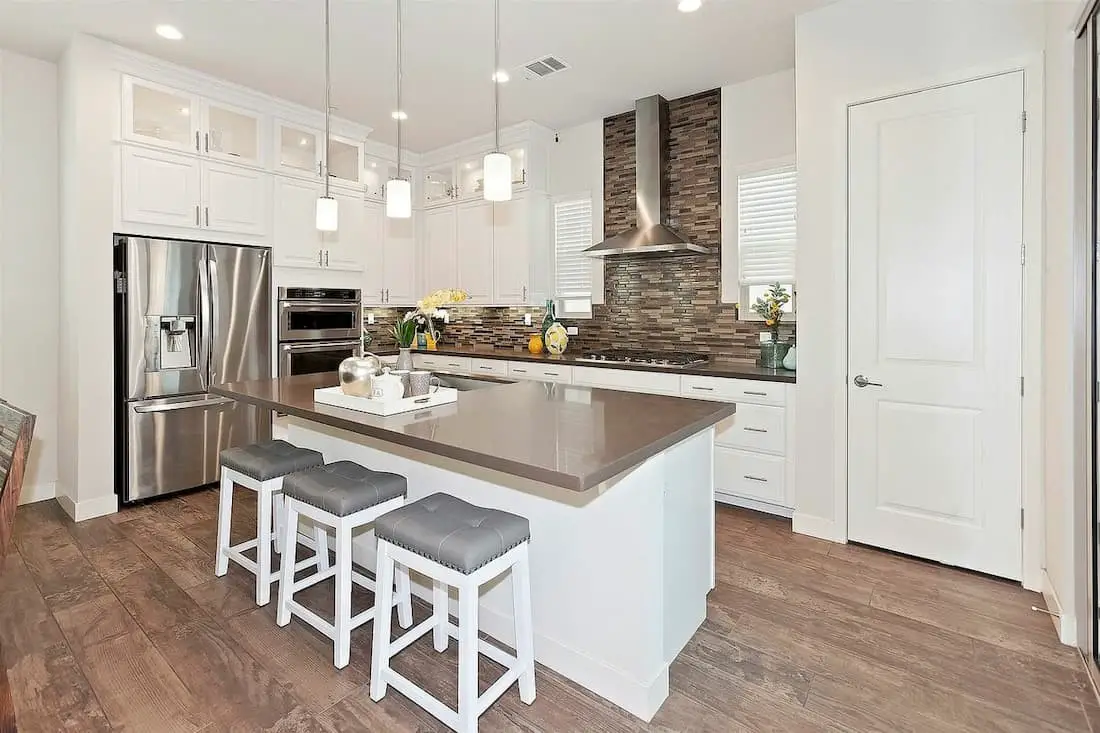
pixel 1064 623
pixel 80 511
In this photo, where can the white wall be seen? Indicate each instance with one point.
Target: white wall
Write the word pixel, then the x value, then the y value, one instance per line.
pixel 29 257
pixel 576 166
pixel 758 127
pixel 852 51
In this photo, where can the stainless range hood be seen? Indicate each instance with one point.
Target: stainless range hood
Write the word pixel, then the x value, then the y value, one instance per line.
pixel 650 235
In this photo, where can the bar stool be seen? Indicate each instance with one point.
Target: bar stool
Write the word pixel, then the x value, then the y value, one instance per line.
pixel 462 545
pixel 345 496
pixel 261 467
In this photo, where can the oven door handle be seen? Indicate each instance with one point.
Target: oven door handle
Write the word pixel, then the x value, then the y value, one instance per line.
pixel 319 345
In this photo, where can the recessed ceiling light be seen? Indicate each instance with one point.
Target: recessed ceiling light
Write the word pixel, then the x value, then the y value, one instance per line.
pixel 689 6
pixel 171 32
pixel 501 76
pixel 398 114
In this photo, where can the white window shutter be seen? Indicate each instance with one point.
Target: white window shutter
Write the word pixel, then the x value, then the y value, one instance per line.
pixel 766 221
pixel 572 235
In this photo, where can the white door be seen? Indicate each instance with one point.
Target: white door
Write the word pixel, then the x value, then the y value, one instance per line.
pixel 235 199
pixel 474 232
pixel 346 248
pixel 440 255
pixel 399 262
pixel 295 241
pixel 159 187
pixel 511 243
pixel 934 324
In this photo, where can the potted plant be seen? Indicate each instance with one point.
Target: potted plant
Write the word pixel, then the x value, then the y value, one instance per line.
pixel 404 333
pixel 770 307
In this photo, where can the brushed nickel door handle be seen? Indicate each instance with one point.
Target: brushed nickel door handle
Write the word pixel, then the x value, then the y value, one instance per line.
pixel 862 381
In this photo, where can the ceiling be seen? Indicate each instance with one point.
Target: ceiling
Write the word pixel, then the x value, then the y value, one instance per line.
pixel 618 50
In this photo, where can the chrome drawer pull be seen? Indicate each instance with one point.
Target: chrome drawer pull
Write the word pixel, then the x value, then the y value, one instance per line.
pixel 757 430
pixel 551 374
pixel 756 478
pixel 704 389
pixel 520 371
pixel 757 394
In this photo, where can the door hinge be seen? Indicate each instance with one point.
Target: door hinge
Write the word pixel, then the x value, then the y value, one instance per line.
pixel 1021 386
pixel 120 282
pixel 1023 253
pixel 1023 121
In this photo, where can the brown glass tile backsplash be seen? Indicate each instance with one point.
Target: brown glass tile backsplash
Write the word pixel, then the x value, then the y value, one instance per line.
pixel 652 302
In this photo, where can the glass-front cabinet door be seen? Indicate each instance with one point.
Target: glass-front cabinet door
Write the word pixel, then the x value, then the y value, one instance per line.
pixel 519 166
pixel 439 184
pixel 159 115
pixel 376 172
pixel 298 149
pixel 471 177
pixel 232 133
pixel 345 160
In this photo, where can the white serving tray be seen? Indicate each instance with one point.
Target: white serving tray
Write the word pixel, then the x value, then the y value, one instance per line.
pixel 333 396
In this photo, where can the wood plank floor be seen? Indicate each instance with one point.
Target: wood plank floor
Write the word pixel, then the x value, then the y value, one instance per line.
pixel 119 624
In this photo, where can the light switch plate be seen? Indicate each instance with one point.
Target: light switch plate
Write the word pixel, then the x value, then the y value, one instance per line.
pixel 370 318
pixel 571 331
pixel 526 319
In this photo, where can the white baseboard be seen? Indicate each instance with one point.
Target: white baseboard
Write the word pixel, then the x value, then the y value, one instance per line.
pixel 1064 623
pixel 759 506
pixel 38 492
pixel 824 529
pixel 101 506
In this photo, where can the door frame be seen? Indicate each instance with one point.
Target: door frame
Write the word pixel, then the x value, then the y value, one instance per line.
pixel 1032 315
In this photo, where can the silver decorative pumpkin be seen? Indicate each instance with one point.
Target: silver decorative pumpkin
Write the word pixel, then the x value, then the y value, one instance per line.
pixel 356 373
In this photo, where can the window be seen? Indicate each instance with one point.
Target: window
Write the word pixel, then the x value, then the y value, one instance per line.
pixel 572 268
pixel 766 233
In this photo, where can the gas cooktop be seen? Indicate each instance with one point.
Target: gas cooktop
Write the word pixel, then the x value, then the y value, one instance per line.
pixel 650 358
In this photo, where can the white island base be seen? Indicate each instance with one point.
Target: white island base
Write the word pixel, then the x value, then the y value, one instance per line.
pixel 619 573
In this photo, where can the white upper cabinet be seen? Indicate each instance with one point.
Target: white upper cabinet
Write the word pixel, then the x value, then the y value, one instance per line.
pixel 160 188
pixel 235 199
pixel 521 250
pixel 347 247
pixel 158 115
pixel 298 149
pixel 295 239
pixel 399 262
pixel 376 171
pixel 519 167
pixel 438 184
pixel 374 288
pixel 233 133
pixel 474 235
pixel 471 177
pixel 440 255
pixel 345 161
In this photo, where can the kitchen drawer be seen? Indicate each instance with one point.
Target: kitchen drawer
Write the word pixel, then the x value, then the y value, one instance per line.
pixel 495 367
pixel 733 390
pixel 442 363
pixel 751 475
pixel 756 428
pixel 628 380
pixel 560 373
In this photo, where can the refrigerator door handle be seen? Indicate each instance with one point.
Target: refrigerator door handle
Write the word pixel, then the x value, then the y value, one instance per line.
pixel 190 405
pixel 215 319
pixel 204 332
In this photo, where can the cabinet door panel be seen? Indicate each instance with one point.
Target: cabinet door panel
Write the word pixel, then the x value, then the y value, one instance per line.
pixel 159 115
pixel 346 248
pixel 399 262
pixel 510 252
pixel 295 239
pixel 440 255
pixel 474 246
pixel 345 161
pixel 235 199
pixel 374 224
pixel 160 188
pixel 233 133
pixel 298 150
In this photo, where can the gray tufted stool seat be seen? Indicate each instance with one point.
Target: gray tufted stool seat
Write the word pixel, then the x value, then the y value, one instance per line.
pixel 345 496
pixel 452 532
pixel 460 545
pixel 261 467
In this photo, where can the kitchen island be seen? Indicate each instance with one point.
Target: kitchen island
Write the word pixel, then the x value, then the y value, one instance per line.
pixel 618 488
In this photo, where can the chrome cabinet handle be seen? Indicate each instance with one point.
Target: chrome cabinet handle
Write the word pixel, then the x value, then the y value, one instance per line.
pixel 704 389
pixel 552 374
pixel 520 371
pixel 862 381
pixel 387 295
pixel 757 394
pixel 525 293
pixel 198 222
pixel 320 262
pixel 756 478
pixel 486 368
pixel 207 216
pixel 326 258
pixel 197 141
pixel 757 430
pixel 206 141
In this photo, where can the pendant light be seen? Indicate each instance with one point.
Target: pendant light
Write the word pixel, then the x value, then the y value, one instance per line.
pixel 327 210
pixel 497 165
pixel 398 189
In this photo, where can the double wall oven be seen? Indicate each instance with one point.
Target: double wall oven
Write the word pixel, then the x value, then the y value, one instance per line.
pixel 318 328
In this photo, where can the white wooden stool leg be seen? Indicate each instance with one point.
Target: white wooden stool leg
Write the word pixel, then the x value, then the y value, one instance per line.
pixel 467 658
pixel 263 546
pixel 404 597
pixel 278 502
pixel 320 541
pixel 525 634
pixel 286 572
pixel 225 520
pixel 440 632
pixel 342 652
pixel 383 598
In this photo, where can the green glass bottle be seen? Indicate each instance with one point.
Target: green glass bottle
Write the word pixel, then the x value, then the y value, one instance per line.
pixel 549 319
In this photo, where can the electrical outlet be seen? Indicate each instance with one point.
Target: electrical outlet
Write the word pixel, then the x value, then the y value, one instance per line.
pixel 526 319
pixel 446 317
pixel 370 318
pixel 571 330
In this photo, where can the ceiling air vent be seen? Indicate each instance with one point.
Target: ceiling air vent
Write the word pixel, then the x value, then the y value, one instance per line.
pixel 547 65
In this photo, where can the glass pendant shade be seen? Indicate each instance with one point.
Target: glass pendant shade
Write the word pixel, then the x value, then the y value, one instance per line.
pixel 398 198
pixel 498 177
pixel 327 214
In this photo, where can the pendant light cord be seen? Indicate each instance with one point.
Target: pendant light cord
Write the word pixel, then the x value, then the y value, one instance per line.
pixel 328 95
pixel 400 71
pixel 496 75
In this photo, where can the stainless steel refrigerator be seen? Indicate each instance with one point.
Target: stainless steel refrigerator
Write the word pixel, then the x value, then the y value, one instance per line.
pixel 187 315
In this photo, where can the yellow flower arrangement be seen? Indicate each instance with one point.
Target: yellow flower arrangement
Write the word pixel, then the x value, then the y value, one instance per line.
pixel 434 301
